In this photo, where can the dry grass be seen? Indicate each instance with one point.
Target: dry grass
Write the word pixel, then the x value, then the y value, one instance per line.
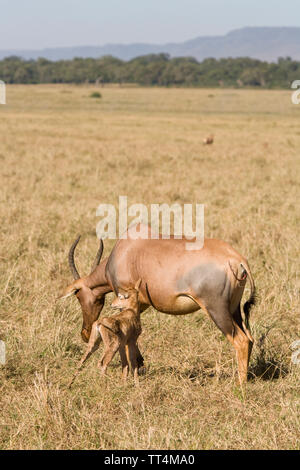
pixel 62 154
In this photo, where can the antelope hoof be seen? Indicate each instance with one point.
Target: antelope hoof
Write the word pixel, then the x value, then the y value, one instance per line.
pixel 85 335
pixel 142 370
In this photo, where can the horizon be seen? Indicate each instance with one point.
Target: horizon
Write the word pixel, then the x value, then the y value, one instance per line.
pixel 153 43
pixel 69 23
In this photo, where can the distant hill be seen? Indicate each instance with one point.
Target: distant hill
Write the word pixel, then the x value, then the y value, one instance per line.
pixel 264 43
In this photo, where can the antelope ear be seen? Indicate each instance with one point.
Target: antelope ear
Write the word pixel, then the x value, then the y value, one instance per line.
pixel 138 284
pixel 67 294
pixel 71 290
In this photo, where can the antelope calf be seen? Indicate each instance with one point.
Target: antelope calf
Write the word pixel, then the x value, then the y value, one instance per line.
pixel 118 333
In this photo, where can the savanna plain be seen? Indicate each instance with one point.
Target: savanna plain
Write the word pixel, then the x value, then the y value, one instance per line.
pixel 62 153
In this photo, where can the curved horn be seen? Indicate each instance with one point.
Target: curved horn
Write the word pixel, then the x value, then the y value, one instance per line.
pixel 98 256
pixel 71 259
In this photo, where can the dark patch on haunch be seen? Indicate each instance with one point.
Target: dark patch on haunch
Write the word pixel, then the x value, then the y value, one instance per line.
pixel 210 284
pixel 205 281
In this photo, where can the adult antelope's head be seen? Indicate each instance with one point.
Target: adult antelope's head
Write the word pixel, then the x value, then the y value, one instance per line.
pixel 89 290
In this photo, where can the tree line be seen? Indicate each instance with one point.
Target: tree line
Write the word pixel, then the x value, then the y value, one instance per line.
pixel 154 69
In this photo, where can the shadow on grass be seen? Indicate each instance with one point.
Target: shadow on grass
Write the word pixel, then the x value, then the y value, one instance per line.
pixel 270 368
pixel 198 374
pixel 267 366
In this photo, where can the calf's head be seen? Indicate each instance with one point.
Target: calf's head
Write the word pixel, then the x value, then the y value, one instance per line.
pixel 128 299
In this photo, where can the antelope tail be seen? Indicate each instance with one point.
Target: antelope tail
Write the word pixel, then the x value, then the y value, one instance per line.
pixel 252 300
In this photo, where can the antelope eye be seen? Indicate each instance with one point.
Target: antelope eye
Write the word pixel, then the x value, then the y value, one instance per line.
pixel 120 296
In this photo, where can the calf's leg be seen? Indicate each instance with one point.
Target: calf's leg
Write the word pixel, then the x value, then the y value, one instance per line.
pixel 133 360
pixel 124 362
pixel 111 346
pixel 92 346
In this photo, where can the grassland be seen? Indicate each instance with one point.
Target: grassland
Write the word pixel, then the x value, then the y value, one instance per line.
pixel 63 153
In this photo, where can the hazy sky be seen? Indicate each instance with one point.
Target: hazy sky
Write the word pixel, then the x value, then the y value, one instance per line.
pixel 36 24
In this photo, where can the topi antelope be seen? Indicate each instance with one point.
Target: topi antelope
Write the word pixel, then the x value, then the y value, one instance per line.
pixel 118 333
pixel 208 140
pixel 175 281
